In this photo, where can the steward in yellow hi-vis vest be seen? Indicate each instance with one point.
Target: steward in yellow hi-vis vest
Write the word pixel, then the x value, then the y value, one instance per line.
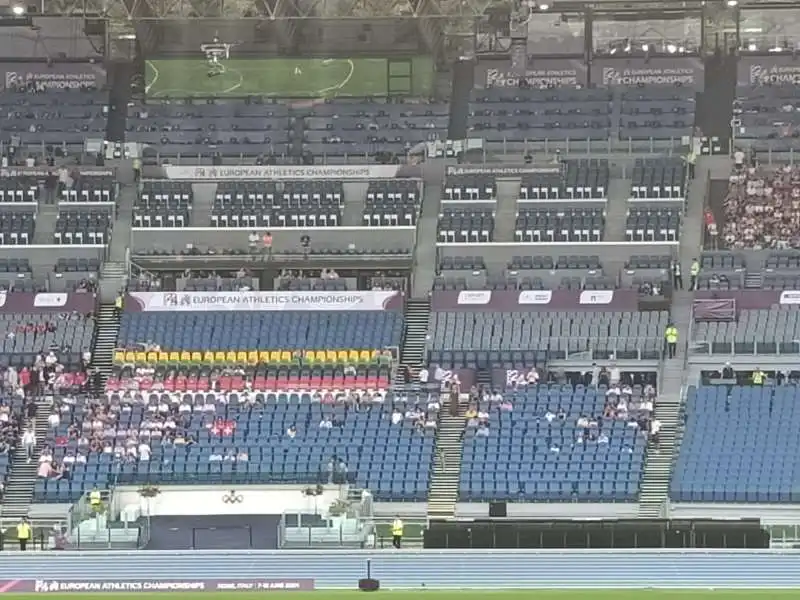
pixel 23 533
pixel 397 532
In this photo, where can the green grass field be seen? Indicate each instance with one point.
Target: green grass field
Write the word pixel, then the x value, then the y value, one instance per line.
pixel 300 78
pixel 643 594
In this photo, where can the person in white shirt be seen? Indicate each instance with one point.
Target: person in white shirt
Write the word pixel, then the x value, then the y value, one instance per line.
pixel 614 375
pixel 397 417
pixel 29 443
pixel 50 359
pixel 550 417
pixel 291 433
pixel 433 403
pixel 423 375
pixel 54 420
pixel 144 452
pixel 738 159
pixel 326 423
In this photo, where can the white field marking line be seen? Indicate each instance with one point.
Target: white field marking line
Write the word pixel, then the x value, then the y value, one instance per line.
pixel 341 84
pixel 156 74
pixel 236 86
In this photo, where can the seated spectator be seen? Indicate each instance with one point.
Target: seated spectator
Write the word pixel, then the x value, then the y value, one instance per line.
pixel 762 209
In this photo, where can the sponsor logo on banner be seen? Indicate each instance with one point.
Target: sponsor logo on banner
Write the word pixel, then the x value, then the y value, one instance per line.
pixel 51 80
pixel 790 297
pixel 650 76
pixel 477 297
pixel 761 74
pixel 24 172
pixel 501 171
pixel 262 301
pixel 536 297
pixel 50 300
pixel 596 297
pixel 271 172
pixel 535 78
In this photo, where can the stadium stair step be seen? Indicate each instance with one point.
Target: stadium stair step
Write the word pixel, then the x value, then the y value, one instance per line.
pixel 753 280
pixel 654 490
pixel 114 274
pixel 22 479
pixel 446 475
pixel 105 343
pixel 415 337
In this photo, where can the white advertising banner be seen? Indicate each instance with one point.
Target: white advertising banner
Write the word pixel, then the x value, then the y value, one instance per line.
pixel 245 173
pixel 262 301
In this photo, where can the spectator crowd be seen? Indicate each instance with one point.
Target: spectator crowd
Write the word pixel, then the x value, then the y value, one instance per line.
pixel 762 208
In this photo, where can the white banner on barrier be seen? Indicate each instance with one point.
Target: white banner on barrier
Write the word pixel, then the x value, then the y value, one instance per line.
pixel 262 301
pixel 273 172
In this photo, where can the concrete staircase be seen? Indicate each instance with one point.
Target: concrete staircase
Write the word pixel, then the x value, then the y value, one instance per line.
pixel 654 494
pixel 505 218
pixel 113 279
pixel 105 342
pixel 19 488
pixel 412 354
pixel 443 490
pixel 753 280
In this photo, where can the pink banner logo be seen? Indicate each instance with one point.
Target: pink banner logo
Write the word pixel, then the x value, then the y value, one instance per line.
pixel 46 586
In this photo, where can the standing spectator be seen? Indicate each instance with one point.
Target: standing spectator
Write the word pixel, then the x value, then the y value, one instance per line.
pixel 137 169
pixel 29 444
pixel 23 533
pixel 694 271
pixel 267 240
pixel 738 159
pixel 677 276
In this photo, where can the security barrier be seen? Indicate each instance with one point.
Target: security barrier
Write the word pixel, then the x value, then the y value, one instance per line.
pixel 426 568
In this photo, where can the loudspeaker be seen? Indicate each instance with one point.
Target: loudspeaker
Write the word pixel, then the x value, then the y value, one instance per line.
pixel 369 585
pixel 498 509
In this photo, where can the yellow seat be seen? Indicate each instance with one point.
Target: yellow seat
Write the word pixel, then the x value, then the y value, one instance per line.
pixel 364 356
pixel 263 356
pixel 152 358
pixel 374 355
pixel 163 357
pixel 129 356
pixel 208 356
pixel 140 357
pixel 174 356
pixel 286 356
pixel 186 356
pixel 341 357
pixel 196 356
pixel 308 356
pixel 119 356
pixel 241 357
pixel 320 356
pixel 252 357
pixel 230 356
pixel 352 356
pixel 274 357
pixel 219 357
pixel 331 357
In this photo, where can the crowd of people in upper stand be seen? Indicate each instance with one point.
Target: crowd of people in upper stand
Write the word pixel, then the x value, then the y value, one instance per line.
pixel 762 209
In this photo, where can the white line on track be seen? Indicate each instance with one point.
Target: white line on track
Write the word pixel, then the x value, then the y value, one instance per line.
pixel 341 84
pixel 156 74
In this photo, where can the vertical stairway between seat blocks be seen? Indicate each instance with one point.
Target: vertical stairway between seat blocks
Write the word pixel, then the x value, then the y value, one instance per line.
pixel 22 479
pixel 105 343
pixel 415 337
pixel 446 474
